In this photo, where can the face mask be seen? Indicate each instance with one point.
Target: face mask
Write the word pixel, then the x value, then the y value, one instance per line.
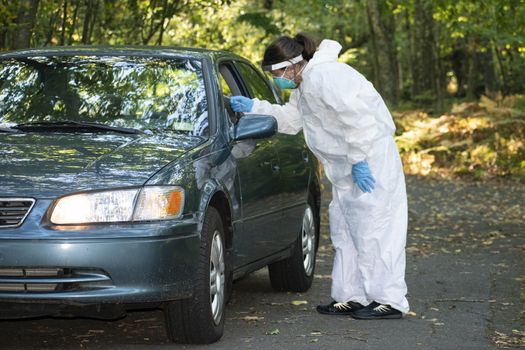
pixel 284 83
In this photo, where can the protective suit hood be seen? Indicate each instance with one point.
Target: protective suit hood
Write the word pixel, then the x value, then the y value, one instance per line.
pixel 328 51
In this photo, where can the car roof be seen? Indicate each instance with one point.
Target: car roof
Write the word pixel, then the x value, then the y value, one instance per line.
pixel 117 50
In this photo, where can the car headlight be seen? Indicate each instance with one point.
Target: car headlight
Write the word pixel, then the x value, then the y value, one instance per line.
pixel 139 204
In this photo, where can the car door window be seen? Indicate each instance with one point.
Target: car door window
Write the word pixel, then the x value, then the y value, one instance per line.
pixel 226 91
pixel 230 87
pixel 256 84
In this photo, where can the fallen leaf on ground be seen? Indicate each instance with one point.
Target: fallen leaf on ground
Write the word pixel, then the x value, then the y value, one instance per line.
pixel 252 318
pixel 323 277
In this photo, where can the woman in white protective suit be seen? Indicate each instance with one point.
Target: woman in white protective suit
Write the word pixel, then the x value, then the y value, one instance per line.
pixel 350 130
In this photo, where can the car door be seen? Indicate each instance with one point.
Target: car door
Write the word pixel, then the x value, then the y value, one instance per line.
pixel 293 163
pixel 258 173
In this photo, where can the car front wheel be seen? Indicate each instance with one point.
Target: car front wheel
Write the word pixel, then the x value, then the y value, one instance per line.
pixel 200 320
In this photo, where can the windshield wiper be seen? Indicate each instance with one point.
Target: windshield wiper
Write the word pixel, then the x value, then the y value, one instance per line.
pixel 68 125
pixel 8 130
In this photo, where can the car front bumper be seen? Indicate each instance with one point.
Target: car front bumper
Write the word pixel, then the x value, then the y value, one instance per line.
pixel 98 265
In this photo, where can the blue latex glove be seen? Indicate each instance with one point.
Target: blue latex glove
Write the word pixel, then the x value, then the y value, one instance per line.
pixel 241 104
pixel 362 176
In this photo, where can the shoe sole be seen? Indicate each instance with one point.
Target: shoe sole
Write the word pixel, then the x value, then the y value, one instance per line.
pixel 348 313
pixel 386 317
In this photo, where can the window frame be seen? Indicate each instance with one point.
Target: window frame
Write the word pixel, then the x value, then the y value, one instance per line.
pixel 237 80
pixel 261 75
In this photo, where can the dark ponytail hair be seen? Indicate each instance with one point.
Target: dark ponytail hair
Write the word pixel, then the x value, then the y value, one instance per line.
pixel 285 48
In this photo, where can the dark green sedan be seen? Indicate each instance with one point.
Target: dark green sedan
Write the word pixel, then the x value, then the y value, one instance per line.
pixel 126 181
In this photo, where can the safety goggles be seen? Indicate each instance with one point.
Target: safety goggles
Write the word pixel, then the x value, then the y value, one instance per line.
pixel 283 64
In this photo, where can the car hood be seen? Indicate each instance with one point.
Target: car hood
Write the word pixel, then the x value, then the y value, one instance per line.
pixel 47 165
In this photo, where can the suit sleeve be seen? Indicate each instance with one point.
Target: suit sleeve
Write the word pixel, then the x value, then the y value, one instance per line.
pixel 288 117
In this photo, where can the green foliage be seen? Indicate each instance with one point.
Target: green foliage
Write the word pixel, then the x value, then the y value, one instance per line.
pixel 260 20
pixel 418 53
pixel 482 139
pixel 463 31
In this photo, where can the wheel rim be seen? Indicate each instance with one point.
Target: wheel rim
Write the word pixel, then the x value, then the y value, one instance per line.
pixel 217 280
pixel 308 240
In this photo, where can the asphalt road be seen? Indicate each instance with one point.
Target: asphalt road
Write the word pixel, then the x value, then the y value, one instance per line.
pixel 465 274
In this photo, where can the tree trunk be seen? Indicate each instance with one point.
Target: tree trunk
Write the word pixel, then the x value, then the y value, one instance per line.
pixel 51 29
pixel 486 65
pixel 87 22
pixel 151 30
pixel 157 23
pixel 412 54
pixel 502 69
pixel 439 79
pixel 5 13
pixel 459 65
pixel 481 70
pixel 93 21
pixel 373 52
pixel 3 38
pixel 73 25
pixel 163 19
pixel 64 21
pixel 386 68
pixel 25 22
pixel 424 67
pixel 471 77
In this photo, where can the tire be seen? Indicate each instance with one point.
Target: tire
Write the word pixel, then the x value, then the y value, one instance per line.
pixel 296 273
pixel 200 320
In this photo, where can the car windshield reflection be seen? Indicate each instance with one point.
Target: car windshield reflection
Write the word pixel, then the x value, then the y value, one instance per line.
pixel 145 94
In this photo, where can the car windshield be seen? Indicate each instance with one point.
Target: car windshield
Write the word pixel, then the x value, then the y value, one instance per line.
pixel 124 92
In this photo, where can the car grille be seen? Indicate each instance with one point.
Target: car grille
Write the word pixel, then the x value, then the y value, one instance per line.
pixel 13 211
pixel 46 280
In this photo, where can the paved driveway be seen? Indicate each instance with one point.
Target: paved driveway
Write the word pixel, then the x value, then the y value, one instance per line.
pixel 465 273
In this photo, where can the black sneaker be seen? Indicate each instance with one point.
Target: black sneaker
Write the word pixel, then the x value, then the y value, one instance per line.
pixel 335 308
pixel 376 311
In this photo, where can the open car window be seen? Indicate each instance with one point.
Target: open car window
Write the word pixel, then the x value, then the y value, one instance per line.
pixel 230 87
pixel 256 84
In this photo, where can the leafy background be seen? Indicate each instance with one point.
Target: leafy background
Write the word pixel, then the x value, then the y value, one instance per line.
pixel 453 72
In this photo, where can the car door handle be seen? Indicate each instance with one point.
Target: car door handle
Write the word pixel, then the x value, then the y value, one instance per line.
pixel 272 165
pixel 306 158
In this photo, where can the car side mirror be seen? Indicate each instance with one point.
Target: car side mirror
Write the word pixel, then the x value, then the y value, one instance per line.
pixel 254 126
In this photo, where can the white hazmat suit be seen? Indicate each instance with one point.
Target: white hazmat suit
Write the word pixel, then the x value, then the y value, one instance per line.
pixel 346 121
